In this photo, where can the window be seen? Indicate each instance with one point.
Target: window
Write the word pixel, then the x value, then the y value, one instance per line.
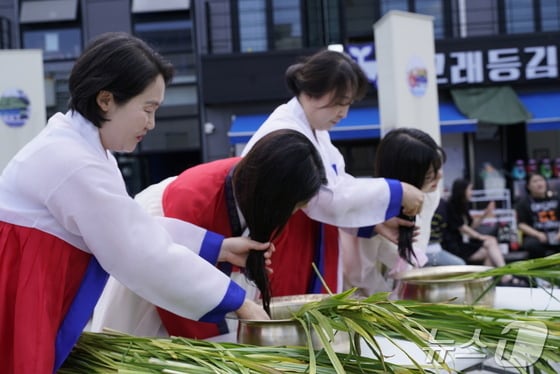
pixel 519 16
pixel 53 26
pixel 323 22
pixel 433 8
pixel 171 34
pixel 550 15
pixel 360 17
pixel 479 18
pixel 5 34
pixel 287 24
pixel 150 6
pixel 56 43
pixel 252 25
pixel 262 29
pixel 387 5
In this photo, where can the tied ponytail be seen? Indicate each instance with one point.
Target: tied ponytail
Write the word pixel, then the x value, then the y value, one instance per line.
pixel 255 270
pixel 281 171
pixel 406 236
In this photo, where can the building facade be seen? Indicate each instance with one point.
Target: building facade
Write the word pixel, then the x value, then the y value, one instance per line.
pixel 496 62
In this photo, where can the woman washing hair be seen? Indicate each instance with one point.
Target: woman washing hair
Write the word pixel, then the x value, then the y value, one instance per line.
pixel 324 86
pixel 255 195
pixel 412 156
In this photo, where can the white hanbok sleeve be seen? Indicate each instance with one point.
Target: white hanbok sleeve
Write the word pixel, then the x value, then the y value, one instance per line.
pixel 346 201
pixel 120 309
pixel 138 251
pixel 367 263
pixel 151 199
pixel 424 219
pixel 356 202
pixel 370 263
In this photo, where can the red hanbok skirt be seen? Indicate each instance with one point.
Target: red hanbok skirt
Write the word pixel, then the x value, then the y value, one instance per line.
pixel 40 278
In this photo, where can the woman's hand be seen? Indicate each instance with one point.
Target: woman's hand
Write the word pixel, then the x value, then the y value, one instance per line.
pixel 489 208
pixel 412 199
pixel 541 236
pixel 390 228
pixel 484 238
pixel 235 250
pixel 556 238
pixel 251 310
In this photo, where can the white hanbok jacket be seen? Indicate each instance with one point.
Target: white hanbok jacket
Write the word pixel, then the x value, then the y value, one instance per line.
pixel 346 201
pixel 353 204
pixel 121 309
pixel 369 264
pixel 66 184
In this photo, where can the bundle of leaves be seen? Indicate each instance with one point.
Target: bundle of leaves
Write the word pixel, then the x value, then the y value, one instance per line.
pixel 524 339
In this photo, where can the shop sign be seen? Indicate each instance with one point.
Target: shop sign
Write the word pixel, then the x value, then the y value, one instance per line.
pixel 468 62
pixel 499 65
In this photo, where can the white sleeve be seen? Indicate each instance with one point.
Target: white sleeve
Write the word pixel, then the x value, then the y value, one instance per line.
pixel 151 199
pixel 367 262
pixel 424 219
pixel 356 202
pixel 138 251
pixel 348 201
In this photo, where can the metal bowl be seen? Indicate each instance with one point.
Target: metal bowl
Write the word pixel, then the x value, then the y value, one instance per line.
pixel 432 284
pixel 282 329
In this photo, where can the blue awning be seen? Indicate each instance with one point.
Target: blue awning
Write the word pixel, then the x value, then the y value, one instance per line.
pixel 545 110
pixel 361 123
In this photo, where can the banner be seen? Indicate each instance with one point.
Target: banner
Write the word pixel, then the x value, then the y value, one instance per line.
pixel 22 100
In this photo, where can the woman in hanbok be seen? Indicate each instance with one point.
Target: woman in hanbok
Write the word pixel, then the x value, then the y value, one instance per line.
pixel 410 155
pixel 324 86
pixel 67 221
pixel 255 195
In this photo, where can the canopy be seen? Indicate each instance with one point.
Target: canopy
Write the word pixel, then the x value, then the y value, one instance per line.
pixel 544 108
pixel 540 110
pixel 498 105
pixel 361 123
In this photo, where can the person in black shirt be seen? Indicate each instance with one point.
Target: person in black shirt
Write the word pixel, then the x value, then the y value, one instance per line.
pixel 464 240
pixel 436 251
pixel 538 216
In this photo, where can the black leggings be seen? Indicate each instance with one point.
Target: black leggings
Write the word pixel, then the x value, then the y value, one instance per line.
pixel 537 249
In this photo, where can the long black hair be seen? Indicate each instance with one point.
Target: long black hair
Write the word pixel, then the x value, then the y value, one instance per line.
pixel 408 154
pixel 281 172
pixel 458 201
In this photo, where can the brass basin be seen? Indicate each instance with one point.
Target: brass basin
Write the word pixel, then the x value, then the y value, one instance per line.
pixel 282 329
pixel 432 284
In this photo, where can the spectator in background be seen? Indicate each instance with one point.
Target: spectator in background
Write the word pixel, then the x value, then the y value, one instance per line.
pixel 436 252
pixel 538 217
pixel 464 240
